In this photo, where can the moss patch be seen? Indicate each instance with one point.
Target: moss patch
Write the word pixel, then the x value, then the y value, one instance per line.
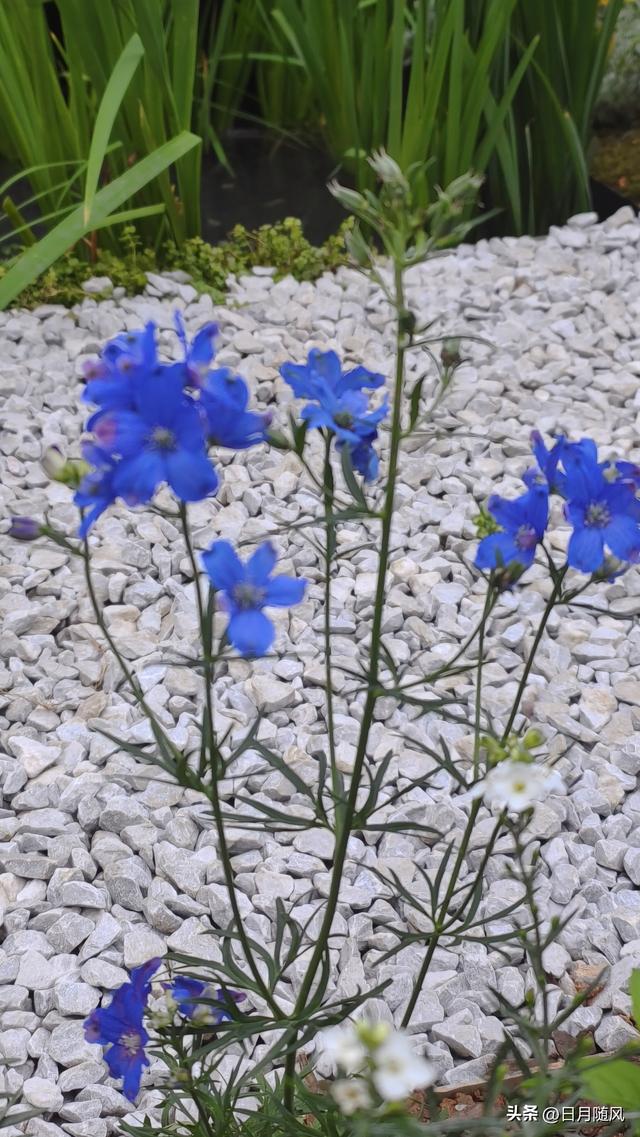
pixel 282 246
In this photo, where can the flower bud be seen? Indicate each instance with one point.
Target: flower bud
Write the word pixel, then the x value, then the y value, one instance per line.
pixel 450 354
pixel 373 1034
pixel 533 738
pixel 24 529
pixel 388 170
pixel 53 462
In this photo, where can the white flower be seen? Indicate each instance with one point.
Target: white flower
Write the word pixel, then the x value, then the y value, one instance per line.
pixel 518 785
pixel 398 1070
pixel 351 1094
pixel 342 1045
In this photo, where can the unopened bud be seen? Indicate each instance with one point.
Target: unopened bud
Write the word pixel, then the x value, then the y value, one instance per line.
pixel 388 170
pixel 373 1034
pixel 53 462
pixel 24 529
pixel 533 738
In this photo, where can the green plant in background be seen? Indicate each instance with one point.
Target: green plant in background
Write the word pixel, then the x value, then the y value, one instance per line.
pixel 406 76
pixel 551 123
pixel 51 91
pixel 282 246
pixel 100 208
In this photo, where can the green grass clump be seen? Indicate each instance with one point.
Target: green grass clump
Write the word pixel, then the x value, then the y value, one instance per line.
pixel 282 246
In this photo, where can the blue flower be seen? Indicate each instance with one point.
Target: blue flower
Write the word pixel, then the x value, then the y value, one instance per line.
pixel 161 439
pixel 119 1027
pixel 224 398
pixel 112 380
pixel 323 371
pixel 199 353
pixel 342 406
pixel 188 994
pixel 566 452
pixel 523 522
pixel 604 514
pixel 246 590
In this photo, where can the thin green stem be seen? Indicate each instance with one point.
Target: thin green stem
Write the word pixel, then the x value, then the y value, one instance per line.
pixel 347 811
pixel 555 592
pixel 163 740
pixel 212 791
pixel 329 550
pixel 439 923
pixel 488 604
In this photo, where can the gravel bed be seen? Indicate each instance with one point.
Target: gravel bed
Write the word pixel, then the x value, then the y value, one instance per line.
pixel 103 867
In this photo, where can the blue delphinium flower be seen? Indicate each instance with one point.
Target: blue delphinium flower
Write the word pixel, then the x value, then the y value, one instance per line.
pixel 339 404
pixel 604 514
pixel 347 418
pixel 120 1028
pixel 523 522
pixel 224 399
pixel 323 370
pixel 564 452
pixel 161 440
pixel 247 589
pixel 112 379
pixel 188 994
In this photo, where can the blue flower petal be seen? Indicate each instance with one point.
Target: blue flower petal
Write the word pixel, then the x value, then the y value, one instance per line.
pixel 282 591
pixel 500 549
pixel 622 535
pixel 201 351
pixel 190 475
pixel 509 514
pixel 261 564
pixel 124 1064
pixel 251 632
pixel 586 549
pixel 223 565
pixel 140 475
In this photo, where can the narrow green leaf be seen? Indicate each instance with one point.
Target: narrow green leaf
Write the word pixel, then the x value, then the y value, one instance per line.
pixel 109 107
pixel 40 257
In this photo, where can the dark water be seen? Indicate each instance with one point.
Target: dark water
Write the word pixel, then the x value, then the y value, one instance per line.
pixel 271 182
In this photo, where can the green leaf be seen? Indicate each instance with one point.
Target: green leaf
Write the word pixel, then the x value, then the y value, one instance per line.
pixel 109 106
pixel 347 472
pixel 613 1083
pixel 40 257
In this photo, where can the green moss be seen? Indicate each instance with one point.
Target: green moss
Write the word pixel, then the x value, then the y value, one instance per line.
pixel 282 246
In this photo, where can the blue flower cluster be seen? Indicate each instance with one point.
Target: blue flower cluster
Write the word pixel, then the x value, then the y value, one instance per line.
pixel 601 505
pixel 248 588
pixel 155 421
pixel 119 1027
pixel 339 404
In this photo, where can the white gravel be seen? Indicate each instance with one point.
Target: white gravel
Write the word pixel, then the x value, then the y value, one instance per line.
pixel 102 868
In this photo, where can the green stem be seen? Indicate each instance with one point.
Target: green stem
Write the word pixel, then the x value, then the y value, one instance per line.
pixel 555 592
pixel 329 550
pixel 439 922
pixel 488 604
pixel 164 742
pixel 212 791
pixel 346 814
